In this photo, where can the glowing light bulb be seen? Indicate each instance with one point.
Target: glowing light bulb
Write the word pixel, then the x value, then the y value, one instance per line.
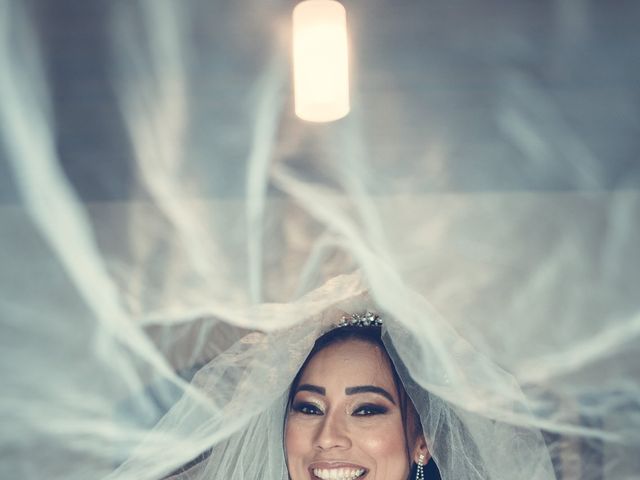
pixel 320 61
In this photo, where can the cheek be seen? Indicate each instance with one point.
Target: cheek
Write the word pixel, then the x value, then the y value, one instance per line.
pixel 386 442
pixel 296 441
pixel 387 445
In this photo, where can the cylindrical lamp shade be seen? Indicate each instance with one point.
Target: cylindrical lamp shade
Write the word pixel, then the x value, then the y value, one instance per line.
pixel 320 61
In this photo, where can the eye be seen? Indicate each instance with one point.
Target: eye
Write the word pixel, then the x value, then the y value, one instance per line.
pixel 306 408
pixel 368 410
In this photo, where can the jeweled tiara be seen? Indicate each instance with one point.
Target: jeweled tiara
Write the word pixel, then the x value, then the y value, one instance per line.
pixel 367 319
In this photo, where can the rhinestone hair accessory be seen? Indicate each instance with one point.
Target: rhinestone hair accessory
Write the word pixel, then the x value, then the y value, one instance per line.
pixel 367 319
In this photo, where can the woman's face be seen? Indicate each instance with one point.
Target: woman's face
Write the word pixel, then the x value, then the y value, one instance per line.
pixel 345 420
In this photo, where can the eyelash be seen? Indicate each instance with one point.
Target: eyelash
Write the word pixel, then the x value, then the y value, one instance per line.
pixel 366 410
pixel 306 408
pixel 369 410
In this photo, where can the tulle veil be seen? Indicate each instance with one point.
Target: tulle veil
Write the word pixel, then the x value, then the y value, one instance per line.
pixel 173 239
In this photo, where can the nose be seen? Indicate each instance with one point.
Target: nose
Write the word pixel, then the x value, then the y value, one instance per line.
pixel 333 432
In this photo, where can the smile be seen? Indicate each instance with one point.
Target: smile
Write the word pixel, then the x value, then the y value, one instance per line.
pixel 338 473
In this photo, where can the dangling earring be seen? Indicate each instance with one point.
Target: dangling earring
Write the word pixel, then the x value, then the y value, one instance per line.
pixel 420 469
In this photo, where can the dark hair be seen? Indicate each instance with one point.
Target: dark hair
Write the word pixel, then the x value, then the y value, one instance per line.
pixel 372 335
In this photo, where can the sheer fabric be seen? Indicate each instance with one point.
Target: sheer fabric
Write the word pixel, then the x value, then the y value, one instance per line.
pixel 173 240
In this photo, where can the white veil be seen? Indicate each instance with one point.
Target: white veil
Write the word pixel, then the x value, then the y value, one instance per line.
pixel 173 240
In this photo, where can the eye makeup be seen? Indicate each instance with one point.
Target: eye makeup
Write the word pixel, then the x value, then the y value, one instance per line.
pixel 307 407
pixel 369 410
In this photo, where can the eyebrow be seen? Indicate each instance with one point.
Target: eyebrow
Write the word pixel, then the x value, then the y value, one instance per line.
pixel 306 387
pixel 369 389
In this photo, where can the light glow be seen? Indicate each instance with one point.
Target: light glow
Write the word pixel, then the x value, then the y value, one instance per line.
pixel 320 61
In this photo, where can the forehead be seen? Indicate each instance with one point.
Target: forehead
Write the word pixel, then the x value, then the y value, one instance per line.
pixel 349 363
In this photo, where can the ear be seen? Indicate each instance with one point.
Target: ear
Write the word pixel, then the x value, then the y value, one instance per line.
pixel 420 448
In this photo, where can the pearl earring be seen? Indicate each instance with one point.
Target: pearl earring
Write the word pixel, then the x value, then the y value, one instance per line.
pixel 420 469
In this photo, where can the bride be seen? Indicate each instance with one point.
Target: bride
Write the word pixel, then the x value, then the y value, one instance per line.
pixel 348 414
pixel 351 409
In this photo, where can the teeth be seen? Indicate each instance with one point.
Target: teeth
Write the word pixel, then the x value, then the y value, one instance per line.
pixel 338 473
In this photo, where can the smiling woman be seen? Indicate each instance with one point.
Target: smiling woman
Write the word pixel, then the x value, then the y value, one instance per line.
pixel 348 414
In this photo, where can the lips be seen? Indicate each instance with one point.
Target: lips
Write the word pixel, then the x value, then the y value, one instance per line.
pixel 337 471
